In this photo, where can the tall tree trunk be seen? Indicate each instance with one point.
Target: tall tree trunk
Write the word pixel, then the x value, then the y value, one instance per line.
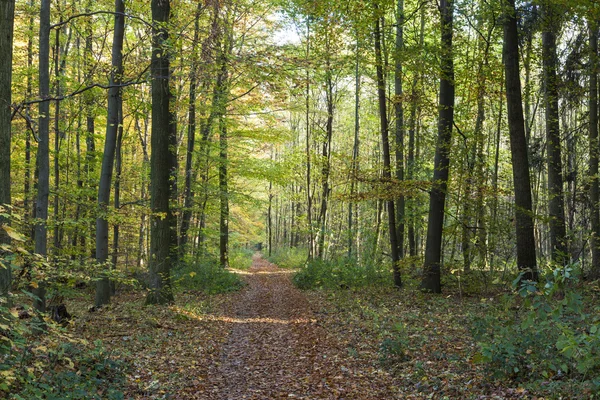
pixel 117 196
pixel 355 150
pixel 223 195
pixel 526 260
pixel 437 197
pixel 555 181
pixel 593 162
pixel 56 235
pixel 326 158
pixel 112 128
pixel 400 132
pixel 7 11
pixel 90 158
pixel 43 158
pixel 308 158
pixel 191 139
pixel 161 159
pixel 387 173
pixel 414 105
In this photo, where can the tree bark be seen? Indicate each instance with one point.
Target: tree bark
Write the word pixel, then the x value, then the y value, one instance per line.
pixel 387 173
pixel 43 158
pixel 112 128
pixel 161 159
pixel 526 259
pixel 7 11
pixel 191 140
pixel 437 197
pixel 556 200
pixel 400 133
pixel 593 162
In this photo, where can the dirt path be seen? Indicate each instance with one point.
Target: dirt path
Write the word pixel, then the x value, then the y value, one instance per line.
pixel 276 348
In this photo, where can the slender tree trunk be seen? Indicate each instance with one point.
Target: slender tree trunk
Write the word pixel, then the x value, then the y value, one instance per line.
pixel 326 154
pixel 593 162
pixel 161 159
pixel 437 197
pixel 90 158
pixel 112 128
pixel 43 159
pixel 308 158
pixel 414 105
pixel 387 173
pixel 223 195
pixel 526 260
pixel 191 139
pixel 117 196
pixel 355 150
pixel 400 133
pixel 555 179
pixel 7 11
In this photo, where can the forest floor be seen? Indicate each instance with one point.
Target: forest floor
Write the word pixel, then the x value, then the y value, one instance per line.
pixel 272 341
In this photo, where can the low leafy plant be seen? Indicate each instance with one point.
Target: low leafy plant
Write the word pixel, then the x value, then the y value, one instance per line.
pixel 207 276
pixel 339 273
pixel 541 332
pixel 54 366
pixel 241 258
pixel 292 258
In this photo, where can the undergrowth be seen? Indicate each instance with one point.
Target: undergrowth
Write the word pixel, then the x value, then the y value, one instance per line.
pixel 339 273
pixel 543 335
pixel 207 276
pixel 292 258
pixel 54 365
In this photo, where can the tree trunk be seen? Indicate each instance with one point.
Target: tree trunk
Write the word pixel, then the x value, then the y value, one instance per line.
pixel 191 139
pixel 437 197
pixel 526 260
pixel 117 200
pixel 387 173
pixel 43 158
pixel 555 181
pixel 593 162
pixel 112 128
pixel 223 195
pixel 400 132
pixel 161 159
pixel 355 150
pixel 7 11
pixel 308 158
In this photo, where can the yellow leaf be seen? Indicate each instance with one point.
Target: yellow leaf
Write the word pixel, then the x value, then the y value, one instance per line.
pixel 192 274
pixel 14 235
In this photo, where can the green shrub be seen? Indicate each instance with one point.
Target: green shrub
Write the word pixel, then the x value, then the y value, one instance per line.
pixel 206 276
pixel 52 368
pixel 540 332
pixel 241 258
pixel 292 258
pixel 340 273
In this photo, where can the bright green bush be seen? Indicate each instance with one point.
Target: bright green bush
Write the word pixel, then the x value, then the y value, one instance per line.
pixel 292 258
pixel 48 367
pixel 241 258
pixel 541 332
pixel 339 273
pixel 207 276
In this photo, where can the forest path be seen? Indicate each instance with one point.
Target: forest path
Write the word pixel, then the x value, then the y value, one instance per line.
pixel 276 348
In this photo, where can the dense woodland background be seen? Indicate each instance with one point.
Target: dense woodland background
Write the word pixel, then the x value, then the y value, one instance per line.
pixel 439 146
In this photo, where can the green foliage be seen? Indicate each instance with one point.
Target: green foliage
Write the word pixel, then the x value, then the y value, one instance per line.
pixel 541 332
pixel 339 273
pixel 207 276
pixel 55 366
pixel 292 258
pixel 241 258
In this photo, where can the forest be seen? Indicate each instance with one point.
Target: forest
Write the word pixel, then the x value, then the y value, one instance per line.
pixel 315 199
